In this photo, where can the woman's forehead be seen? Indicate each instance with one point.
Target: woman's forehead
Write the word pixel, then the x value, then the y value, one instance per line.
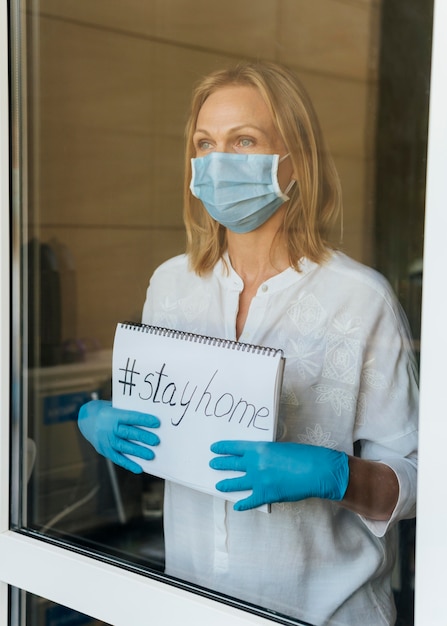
pixel 235 105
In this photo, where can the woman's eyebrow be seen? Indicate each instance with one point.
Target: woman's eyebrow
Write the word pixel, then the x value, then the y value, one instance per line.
pixel 234 129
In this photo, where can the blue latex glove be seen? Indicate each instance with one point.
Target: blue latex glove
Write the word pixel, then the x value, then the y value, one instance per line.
pixel 281 472
pixel 114 432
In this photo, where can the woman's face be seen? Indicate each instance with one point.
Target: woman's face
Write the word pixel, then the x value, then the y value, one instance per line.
pixel 236 119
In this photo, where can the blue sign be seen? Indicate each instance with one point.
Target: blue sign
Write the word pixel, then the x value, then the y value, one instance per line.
pixel 64 407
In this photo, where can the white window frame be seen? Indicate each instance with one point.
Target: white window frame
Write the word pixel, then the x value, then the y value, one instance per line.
pixel 119 597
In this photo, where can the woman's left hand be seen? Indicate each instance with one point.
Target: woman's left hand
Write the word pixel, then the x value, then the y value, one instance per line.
pixel 280 472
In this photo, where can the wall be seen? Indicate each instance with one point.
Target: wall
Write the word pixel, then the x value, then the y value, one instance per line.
pixel 108 95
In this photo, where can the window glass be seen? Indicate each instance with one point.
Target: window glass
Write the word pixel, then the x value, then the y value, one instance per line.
pixel 98 158
pixel 42 612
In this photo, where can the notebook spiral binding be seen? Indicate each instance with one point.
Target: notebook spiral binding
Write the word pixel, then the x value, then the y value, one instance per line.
pixel 212 341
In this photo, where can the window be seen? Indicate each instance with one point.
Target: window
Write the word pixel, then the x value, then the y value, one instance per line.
pixel 87 174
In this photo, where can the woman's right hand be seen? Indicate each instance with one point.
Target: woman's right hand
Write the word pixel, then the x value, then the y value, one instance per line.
pixel 115 433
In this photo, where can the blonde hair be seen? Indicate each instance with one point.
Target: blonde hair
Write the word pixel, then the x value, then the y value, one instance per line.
pixel 316 198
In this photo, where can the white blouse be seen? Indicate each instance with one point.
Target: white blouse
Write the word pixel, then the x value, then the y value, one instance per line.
pixel 350 376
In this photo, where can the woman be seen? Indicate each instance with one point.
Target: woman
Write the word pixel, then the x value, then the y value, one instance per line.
pixel 260 194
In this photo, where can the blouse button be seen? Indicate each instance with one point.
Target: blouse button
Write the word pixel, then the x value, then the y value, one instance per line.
pixel 264 288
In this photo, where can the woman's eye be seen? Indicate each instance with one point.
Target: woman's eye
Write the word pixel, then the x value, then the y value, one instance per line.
pixel 203 145
pixel 246 142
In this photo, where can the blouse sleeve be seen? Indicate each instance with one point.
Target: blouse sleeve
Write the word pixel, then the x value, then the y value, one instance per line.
pixel 387 410
pixel 148 308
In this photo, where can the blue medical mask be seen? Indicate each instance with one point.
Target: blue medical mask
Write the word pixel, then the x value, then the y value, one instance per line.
pixel 240 191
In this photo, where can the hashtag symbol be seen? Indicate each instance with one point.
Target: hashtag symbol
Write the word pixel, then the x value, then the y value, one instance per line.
pixel 129 373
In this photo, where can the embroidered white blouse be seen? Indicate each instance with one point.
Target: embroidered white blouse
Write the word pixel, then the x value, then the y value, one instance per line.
pixel 350 377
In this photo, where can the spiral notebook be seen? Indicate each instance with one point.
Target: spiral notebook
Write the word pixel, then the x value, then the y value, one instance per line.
pixel 203 389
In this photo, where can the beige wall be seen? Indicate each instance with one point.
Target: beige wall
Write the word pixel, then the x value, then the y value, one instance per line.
pixel 109 90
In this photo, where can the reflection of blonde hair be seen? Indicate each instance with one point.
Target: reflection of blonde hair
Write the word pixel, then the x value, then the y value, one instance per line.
pixel 316 198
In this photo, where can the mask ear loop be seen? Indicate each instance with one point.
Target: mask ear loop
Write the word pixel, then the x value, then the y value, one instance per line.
pixel 289 186
pixel 293 181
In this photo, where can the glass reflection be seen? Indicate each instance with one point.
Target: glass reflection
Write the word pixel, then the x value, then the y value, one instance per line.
pixel 102 171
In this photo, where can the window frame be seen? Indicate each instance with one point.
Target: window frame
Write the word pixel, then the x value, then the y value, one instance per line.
pixel 431 538
pixel 96 588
